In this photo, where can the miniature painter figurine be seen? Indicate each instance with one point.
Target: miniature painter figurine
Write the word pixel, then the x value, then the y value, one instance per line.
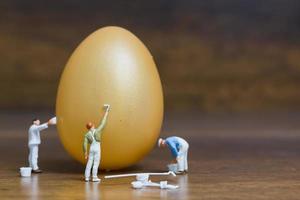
pixel 93 137
pixel 34 140
pixel 179 149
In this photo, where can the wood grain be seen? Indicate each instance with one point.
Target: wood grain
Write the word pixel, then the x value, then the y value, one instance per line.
pixel 249 156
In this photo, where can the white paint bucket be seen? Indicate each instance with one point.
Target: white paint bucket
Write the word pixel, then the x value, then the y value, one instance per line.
pixel 173 167
pixel 137 184
pixel 142 177
pixel 163 184
pixel 25 171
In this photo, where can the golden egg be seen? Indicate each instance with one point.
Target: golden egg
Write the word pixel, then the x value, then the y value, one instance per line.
pixel 111 66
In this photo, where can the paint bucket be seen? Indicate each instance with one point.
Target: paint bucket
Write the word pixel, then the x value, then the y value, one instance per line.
pixel 25 171
pixel 163 184
pixel 137 184
pixel 173 167
pixel 142 177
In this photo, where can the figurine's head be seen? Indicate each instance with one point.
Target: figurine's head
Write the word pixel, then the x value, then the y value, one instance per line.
pixel 161 142
pixel 36 121
pixel 90 125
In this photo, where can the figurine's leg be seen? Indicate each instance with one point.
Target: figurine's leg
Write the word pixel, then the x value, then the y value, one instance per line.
pixel 89 166
pixel 34 156
pixel 30 157
pixel 186 160
pixel 180 163
pixel 96 164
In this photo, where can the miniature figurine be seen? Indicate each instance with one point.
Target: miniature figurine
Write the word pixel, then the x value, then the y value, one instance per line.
pixel 179 149
pixel 34 140
pixel 93 137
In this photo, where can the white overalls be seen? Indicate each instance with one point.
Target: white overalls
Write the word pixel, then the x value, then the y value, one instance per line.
pixel 183 155
pixel 34 140
pixel 94 158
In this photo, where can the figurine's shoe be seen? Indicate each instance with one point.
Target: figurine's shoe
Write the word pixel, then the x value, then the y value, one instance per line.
pixel 87 179
pixel 96 179
pixel 179 172
pixel 37 171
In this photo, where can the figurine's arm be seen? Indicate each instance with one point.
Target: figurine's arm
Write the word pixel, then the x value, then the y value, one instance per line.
pixel 172 147
pixel 103 121
pixel 84 145
pixel 42 126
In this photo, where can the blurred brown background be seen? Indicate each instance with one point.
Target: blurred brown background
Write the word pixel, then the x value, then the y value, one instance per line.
pixel 212 56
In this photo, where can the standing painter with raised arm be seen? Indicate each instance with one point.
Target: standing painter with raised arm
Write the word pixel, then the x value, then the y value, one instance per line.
pixel 179 149
pixel 34 140
pixel 93 137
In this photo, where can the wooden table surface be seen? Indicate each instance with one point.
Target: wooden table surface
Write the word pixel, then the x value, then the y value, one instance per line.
pixel 232 156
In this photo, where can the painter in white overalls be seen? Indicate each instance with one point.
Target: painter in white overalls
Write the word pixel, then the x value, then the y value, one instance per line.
pixel 179 149
pixel 34 140
pixel 93 137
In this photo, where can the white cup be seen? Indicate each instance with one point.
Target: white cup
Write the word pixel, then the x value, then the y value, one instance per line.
pixel 163 184
pixel 173 167
pixel 142 177
pixel 25 171
pixel 137 184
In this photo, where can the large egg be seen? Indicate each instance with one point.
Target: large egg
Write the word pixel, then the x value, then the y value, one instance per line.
pixel 111 66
